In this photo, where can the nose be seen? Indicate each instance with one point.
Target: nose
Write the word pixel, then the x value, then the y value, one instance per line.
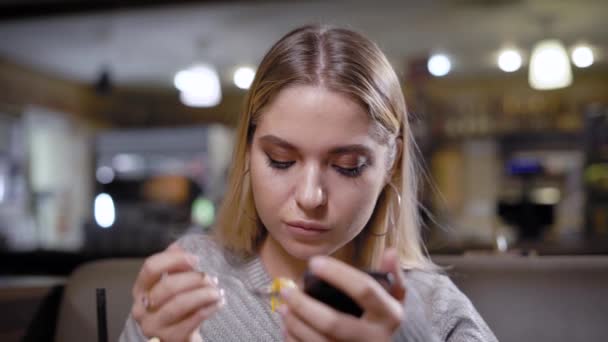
pixel 310 192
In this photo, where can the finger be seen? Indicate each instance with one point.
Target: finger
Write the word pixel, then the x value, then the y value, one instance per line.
pixel 296 329
pixel 290 338
pixel 196 336
pixel 176 283
pixel 186 303
pixel 188 327
pixel 162 263
pixel 175 247
pixel 320 317
pixel 361 287
pixel 183 330
pixel 390 263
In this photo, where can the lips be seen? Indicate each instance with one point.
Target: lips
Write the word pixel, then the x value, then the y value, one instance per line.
pixel 312 226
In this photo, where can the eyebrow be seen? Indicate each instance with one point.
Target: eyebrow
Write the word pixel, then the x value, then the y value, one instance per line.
pixel 354 148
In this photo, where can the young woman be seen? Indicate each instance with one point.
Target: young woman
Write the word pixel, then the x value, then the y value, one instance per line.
pixel 323 178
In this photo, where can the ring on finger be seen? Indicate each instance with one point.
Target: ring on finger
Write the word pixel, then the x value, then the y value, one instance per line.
pixel 145 301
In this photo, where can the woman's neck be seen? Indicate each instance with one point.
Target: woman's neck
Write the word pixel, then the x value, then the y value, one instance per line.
pixel 279 263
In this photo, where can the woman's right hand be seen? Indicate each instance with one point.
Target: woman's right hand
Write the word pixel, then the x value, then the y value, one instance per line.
pixel 171 298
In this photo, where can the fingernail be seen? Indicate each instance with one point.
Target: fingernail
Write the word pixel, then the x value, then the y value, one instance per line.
pixel 222 293
pixel 286 292
pixel 215 280
pixel 145 301
pixel 316 263
pixel 222 302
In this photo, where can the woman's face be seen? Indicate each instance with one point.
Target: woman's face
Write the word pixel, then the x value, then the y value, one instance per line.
pixel 316 170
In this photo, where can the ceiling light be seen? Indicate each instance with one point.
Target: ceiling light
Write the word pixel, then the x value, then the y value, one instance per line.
pixel 243 77
pixel 199 86
pixel 439 65
pixel 582 56
pixel 104 210
pixel 128 163
pixel 198 99
pixel 549 66
pixel 104 175
pixel 509 61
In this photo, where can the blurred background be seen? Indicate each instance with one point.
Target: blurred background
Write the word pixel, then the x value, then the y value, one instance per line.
pixel 117 121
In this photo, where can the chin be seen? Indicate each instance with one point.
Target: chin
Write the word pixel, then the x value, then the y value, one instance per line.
pixel 305 251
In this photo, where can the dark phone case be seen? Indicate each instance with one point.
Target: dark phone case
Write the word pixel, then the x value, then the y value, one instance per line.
pixel 328 294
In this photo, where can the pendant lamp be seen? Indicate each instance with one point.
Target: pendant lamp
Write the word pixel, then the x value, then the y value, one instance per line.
pixel 549 66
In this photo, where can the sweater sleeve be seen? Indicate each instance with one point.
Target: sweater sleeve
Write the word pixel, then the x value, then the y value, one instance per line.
pixel 464 322
pixel 436 310
pixel 416 325
pixel 132 332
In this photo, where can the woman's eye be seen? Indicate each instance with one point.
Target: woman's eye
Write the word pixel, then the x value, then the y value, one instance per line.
pixel 277 164
pixel 352 171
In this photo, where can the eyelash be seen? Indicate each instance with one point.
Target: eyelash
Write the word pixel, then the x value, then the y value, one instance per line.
pixel 347 172
pixel 279 164
pixel 351 172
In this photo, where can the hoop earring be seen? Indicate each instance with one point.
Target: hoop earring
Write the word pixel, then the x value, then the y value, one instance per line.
pixel 396 193
pixel 391 215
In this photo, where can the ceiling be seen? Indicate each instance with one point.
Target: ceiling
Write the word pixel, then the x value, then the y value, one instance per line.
pixel 146 42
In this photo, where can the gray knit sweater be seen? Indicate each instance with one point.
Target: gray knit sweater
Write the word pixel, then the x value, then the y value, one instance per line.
pixel 435 310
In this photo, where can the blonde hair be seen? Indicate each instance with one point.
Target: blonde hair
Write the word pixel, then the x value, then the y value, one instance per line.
pixel 343 61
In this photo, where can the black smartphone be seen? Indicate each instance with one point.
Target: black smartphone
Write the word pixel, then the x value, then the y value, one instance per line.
pixel 330 295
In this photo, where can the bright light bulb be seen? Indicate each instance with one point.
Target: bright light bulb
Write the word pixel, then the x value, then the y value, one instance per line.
pixel 105 175
pixel 509 61
pixel 197 99
pixel 582 56
pixel 439 65
pixel 201 86
pixel 104 211
pixel 243 77
pixel 127 163
pixel 549 66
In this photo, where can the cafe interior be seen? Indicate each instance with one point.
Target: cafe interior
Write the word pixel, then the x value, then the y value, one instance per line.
pixel 118 118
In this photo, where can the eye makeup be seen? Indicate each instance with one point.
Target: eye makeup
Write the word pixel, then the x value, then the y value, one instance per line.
pixel 350 172
pixel 280 165
pixel 349 161
pixel 351 164
pixel 342 167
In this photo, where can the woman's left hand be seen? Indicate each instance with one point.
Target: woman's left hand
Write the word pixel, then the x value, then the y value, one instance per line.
pixel 306 319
